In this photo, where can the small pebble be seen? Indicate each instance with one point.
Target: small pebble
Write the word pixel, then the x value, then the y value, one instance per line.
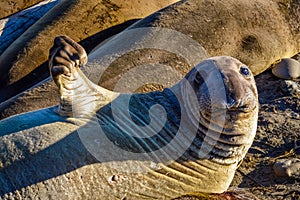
pixel 290 87
pixel 117 178
pixel 289 168
pixel 287 68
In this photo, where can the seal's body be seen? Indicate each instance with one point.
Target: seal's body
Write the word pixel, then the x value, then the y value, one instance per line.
pixel 209 122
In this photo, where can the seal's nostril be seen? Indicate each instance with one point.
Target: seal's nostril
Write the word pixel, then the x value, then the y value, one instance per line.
pixel 230 99
pixel 231 103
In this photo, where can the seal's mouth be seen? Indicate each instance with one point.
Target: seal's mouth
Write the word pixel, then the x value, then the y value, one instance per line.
pixel 233 107
pixel 224 119
pixel 241 110
pixel 238 109
pixel 241 106
pixel 232 111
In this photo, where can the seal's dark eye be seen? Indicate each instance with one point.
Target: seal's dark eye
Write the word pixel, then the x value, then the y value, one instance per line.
pixel 245 71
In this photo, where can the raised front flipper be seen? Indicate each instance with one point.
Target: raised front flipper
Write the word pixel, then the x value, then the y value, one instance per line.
pixel 79 97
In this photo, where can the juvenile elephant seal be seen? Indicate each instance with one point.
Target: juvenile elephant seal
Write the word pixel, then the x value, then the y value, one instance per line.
pixel 210 121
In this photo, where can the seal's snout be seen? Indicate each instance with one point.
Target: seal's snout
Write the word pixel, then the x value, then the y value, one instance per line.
pixel 237 95
pixel 227 84
pixel 234 98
